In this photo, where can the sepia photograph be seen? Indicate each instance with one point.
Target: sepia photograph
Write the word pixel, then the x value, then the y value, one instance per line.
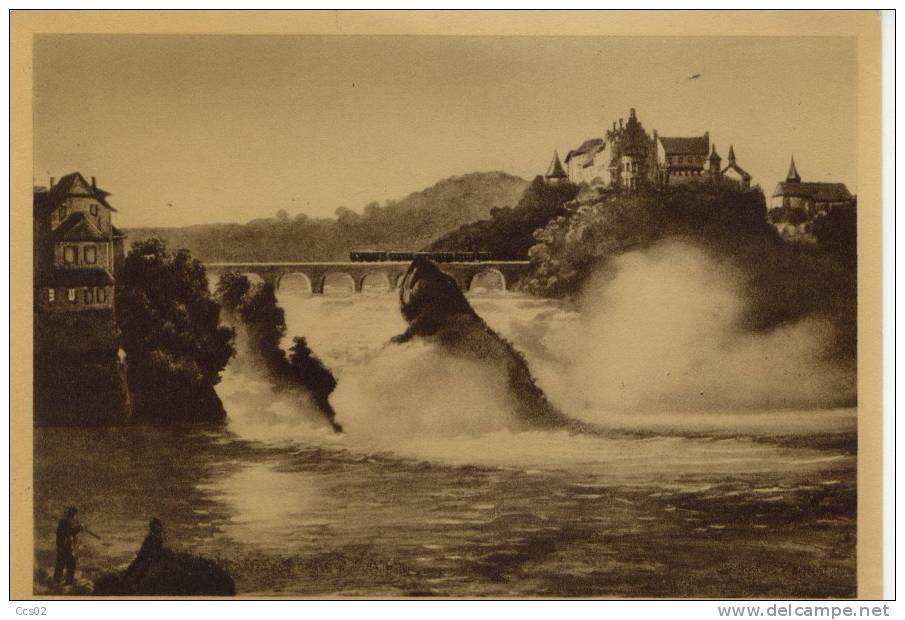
pixel 355 308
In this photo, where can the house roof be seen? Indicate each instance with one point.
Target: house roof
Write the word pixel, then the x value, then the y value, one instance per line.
pixel 78 228
pixel 117 233
pixel 592 146
pixel 698 145
pixel 72 278
pixel 50 199
pixel 737 169
pixel 819 192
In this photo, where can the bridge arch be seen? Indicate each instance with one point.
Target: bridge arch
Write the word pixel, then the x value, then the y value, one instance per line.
pixel 374 281
pixel 295 281
pixel 488 275
pixel 336 281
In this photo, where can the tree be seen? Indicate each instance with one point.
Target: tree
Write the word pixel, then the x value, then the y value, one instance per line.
pixel 509 233
pixel 265 324
pixel 837 233
pixel 231 290
pixel 372 210
pixel 346 216
pixel 256 312
pixel 171 333
pixel 317 378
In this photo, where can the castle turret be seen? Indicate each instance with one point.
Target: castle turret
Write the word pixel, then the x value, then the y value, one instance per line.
pixel 555 172
pixel 793 176
pixel 735 174
pixel 715 162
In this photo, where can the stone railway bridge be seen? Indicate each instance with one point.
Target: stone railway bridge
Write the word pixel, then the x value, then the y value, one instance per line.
pixel 316 273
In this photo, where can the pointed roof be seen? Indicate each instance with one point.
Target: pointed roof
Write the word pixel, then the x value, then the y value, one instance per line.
pixel 78 228
pixel 793 176
pixel 731 154
pixel 737 169
pixel 556 171
pixel 72 184
pixel 714 156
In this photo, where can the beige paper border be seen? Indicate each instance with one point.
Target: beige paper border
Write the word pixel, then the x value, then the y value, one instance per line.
pixel 865 25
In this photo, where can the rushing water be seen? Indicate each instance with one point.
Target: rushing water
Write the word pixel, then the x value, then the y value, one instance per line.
pixel 434 491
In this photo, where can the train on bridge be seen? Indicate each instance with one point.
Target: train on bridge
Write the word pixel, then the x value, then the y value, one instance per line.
pixel 379 256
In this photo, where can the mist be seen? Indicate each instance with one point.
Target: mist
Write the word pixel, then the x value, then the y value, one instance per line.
pixel 664 330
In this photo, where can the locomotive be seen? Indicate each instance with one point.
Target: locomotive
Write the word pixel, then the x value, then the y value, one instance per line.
pixel 377 256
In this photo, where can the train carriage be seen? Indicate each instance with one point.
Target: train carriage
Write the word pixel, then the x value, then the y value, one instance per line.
pixel 367 256
pixel 401 256
pixel 373 256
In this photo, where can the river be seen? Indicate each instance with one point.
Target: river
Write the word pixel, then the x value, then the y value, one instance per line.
pixel 433 491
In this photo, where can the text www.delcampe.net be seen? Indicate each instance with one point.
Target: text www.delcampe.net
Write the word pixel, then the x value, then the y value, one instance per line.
pixel 802 611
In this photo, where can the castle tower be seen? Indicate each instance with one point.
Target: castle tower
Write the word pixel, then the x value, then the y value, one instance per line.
pixel 736 175
pixel 715 161
pixel 634 147
pixel 555 172
pixel 793 176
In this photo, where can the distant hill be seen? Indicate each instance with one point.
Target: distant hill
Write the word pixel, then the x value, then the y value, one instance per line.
pixel 407 224
pixel 509 232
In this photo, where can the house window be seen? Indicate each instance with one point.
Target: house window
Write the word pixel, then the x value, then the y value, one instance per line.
pixel 93 209
pixel 70 294
pixel 101 295
pixel 70 255
pixel 89 296
pixel 51 294
pixel 90 254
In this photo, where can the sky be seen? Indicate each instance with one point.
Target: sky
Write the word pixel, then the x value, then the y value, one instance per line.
pixel 191 129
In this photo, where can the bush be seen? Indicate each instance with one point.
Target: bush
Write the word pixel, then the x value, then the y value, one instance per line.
pixel 789 215
pixel 171 333
pixel 837 233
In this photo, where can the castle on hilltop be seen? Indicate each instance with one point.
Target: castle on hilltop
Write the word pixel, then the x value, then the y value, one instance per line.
pixel 629 158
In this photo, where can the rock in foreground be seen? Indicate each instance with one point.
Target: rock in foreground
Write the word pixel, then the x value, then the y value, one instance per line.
pixel 171 574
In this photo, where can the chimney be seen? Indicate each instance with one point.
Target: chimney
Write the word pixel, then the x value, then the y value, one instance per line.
pixel 620 123
pixel 93 183
pixel 51 182
pixel 631 112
